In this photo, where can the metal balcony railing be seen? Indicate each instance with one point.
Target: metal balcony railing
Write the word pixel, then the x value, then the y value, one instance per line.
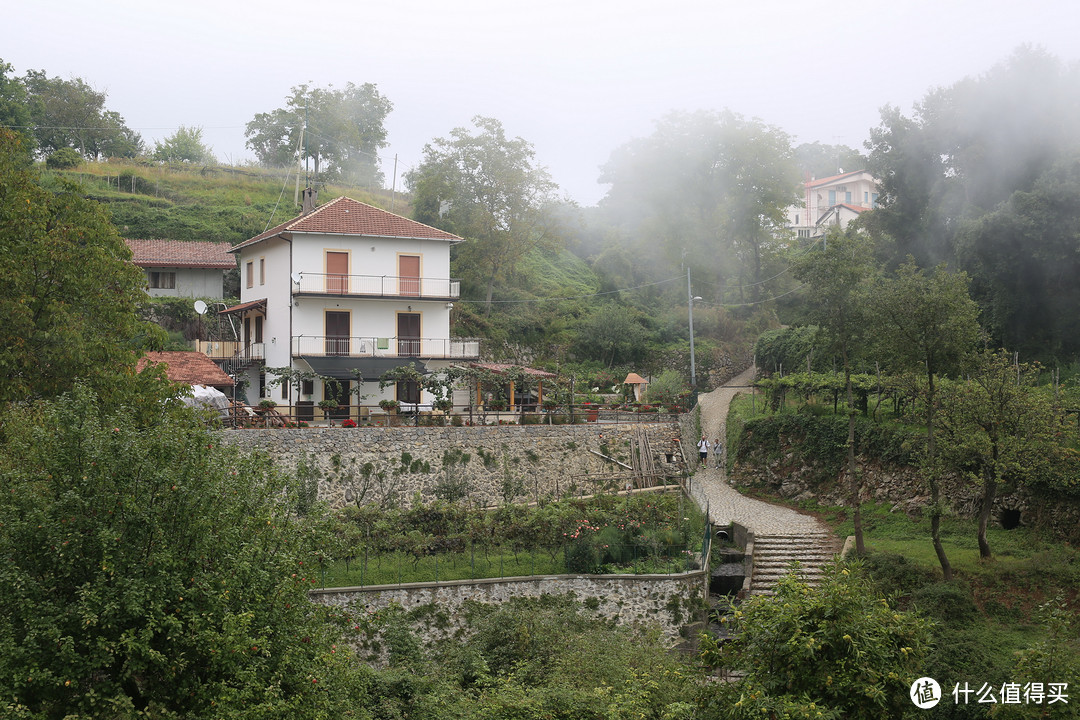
pixel 337 346
pixel 377 286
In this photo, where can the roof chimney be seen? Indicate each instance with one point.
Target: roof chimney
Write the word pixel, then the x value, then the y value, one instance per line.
pixel 311 199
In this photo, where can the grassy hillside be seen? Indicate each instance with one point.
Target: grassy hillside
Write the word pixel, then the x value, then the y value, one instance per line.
pixel 219 203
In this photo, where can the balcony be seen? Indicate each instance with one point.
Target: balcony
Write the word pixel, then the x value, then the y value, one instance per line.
pixel 386 347
pixel 233 357
pixel 390 286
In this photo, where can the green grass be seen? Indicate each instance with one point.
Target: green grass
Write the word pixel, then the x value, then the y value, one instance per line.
pixel 398 567
pixel 991 611
pixel 217 203
pixel 393 568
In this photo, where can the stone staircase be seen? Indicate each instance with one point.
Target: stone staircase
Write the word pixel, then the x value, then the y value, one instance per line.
pixel 774 554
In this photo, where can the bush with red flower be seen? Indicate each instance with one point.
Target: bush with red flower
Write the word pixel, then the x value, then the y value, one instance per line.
pixel 348 422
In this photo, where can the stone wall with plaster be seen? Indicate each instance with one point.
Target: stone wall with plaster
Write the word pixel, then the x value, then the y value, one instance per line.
pixel 482 465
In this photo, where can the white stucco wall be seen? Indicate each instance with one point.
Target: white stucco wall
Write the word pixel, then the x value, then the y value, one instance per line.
pixel 290 316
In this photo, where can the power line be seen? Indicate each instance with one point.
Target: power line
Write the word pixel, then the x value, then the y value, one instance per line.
pixel 746 304
pixel 572 297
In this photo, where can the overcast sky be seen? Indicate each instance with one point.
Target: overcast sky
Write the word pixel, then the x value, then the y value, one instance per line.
pixel 575 78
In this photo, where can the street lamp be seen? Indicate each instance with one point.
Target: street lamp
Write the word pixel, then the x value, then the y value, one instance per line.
pixel 690 308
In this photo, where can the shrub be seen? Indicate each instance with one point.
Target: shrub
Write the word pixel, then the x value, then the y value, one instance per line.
pixel 583 556
pixel 948 601
pixel 64 159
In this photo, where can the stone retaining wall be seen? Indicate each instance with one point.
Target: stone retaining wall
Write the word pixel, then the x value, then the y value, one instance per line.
pixel 795 477
pixel 671 602
pixel 484 465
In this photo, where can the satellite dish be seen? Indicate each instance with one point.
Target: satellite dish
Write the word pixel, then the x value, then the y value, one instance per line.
pixel 200 307
pixel 296 277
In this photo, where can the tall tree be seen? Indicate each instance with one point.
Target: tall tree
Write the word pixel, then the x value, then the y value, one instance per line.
pixel 345 131
pixel 70 113
pixel 14 110
pixel 836 276
pixel 998 426
pixel 1024 261
pixel 707 189
pixel 486 187
pixel 69 294
pixel 967 148
pixel 926 323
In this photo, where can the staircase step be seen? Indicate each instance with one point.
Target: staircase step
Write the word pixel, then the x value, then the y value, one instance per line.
pixel 784 568
pixel 777 556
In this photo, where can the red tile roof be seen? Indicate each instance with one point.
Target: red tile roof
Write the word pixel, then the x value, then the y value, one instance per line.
pixel 190 368
pixel 832 178
pixel 635 379
pixel 244 307
pixel 345 216
pixel 181 254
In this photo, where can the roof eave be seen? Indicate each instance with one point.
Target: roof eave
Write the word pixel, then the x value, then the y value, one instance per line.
pixel 453 239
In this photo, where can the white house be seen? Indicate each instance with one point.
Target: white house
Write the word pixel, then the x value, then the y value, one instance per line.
pixel 176 268
pixel 832 201
pixel 346 291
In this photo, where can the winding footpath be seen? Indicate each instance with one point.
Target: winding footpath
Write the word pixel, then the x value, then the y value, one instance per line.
pixel 781 535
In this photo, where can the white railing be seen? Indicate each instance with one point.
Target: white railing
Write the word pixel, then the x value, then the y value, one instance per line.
pixel 377 286
pixel 336 346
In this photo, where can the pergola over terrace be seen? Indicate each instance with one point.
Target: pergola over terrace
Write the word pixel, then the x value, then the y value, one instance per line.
pixel 511 371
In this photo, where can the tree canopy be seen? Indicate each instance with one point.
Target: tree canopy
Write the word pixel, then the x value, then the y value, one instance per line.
pixel 707 189
pixel 486 187
pixel 925 322
pixel 999 428
pixel 72 114
pixel 70 291
pixel 983 175
pixel 184 145
pixel 345 131
pixel 149 571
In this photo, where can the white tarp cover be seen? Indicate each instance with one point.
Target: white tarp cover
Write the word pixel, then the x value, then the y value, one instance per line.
pixel 204 396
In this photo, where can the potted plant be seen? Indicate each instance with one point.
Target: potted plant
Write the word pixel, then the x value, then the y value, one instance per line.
pixel 327 405
pixel 390 406
pixel 267 404
pixel 592 411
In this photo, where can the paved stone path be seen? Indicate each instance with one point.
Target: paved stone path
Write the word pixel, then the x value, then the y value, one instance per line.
pixel 725 503
pixel 782 536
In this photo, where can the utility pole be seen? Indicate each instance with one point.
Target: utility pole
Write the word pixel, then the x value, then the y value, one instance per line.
pixel 299 161
pixel 393 185
pixel 690 309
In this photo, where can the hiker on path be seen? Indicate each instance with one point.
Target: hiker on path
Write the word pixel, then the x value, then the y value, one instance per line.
pixel 717 452
pixel 703 450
